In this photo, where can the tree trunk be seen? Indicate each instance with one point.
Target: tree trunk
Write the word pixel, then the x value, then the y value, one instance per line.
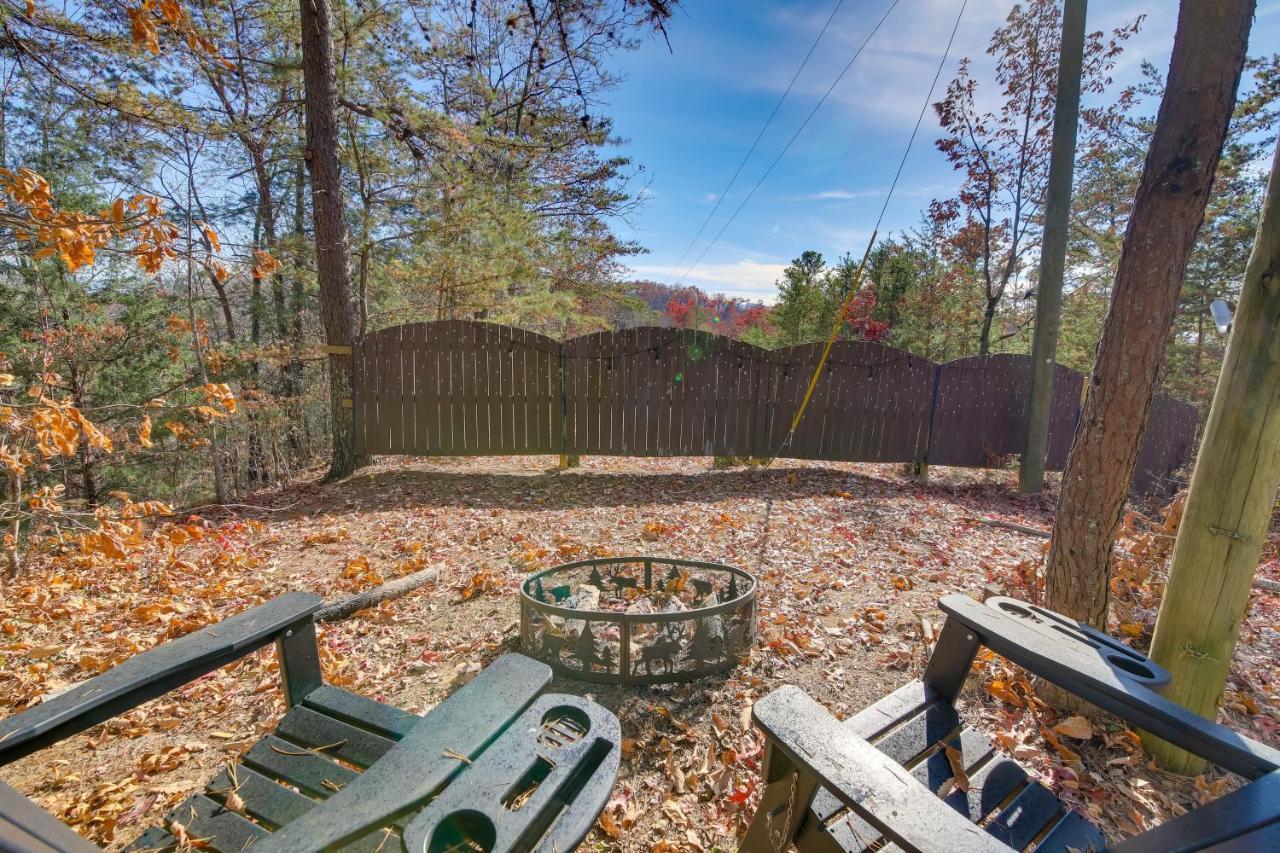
pixel 1229 506
pixel 333 246
pixel 298 448
pixel 197 348
pixel 257 474
pixel 988 318
pixel 1208 54
pixel 224 301
pixel 88 476
pixel 267 214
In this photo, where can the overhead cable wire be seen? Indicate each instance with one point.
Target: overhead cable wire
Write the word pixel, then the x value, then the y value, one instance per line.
pixel 813 112
pixel 924 108
pixel 853 285
pixel 767 124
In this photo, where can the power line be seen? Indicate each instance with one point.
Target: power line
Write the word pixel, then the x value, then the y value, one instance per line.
pixel 924 108
pixel 793 138
pixel 768 122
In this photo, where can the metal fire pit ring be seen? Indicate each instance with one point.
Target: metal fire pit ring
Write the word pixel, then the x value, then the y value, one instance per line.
pixel 683 619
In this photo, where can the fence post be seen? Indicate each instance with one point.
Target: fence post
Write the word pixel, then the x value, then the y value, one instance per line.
pixel 754 404
pixel 921 468
pixel 567 459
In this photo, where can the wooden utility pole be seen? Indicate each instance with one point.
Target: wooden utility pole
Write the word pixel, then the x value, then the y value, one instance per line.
pixel 1204 71
pixel 1229 506
pixel 328 211
pixel 1053 247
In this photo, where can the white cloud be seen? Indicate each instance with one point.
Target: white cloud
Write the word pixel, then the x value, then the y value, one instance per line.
pixel 709 197
pixel 886 84
pixel 920 191
pixel 747 278
pixel 842 195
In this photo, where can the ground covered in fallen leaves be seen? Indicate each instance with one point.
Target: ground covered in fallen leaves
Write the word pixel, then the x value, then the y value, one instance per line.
pixel 851 564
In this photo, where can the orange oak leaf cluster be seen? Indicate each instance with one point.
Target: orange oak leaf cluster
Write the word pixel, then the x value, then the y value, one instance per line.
pixel 147 19
pixel 27 205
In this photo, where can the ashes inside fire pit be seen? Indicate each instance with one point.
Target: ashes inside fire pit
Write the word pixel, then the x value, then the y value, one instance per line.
pixel 638 620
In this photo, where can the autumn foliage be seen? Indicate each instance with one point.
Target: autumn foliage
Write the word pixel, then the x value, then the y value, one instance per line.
pixel 27 206
pixel 39 426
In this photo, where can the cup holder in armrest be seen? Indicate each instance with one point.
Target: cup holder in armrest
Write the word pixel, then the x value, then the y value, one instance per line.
pixel 1122 659
pixel 1139 670
pixel 1011 606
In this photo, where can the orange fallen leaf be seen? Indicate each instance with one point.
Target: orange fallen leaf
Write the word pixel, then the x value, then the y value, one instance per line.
pixel 1075 727
pixel 956 760
pixel 609 825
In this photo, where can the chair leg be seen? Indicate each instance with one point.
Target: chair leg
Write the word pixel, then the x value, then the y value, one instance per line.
pixel 953 655
pixel 299 661
pixel 783 805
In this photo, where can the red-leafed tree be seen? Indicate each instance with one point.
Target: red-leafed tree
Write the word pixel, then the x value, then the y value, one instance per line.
pixel 858 317
pixel 682 312
pixel 752 322
pixel 991 223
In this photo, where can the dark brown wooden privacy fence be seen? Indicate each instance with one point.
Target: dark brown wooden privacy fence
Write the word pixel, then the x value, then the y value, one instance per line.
pixel 459 388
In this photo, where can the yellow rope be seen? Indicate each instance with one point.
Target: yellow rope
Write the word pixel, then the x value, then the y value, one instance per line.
pixel 813 383
pixel 831 340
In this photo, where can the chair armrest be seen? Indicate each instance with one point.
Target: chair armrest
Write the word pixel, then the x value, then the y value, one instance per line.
pixel 422 762
pixel 25 826
pixel 1085 672
pixel 152 673
pixel 876 787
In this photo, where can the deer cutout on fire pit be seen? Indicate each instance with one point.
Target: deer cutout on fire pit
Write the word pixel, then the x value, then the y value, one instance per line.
pixel 662 651
pixel 701 588
pixel 622 582
pixel 552 645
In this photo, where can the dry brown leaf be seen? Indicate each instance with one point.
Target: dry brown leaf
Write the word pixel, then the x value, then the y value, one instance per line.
pixel 956 760
pixel 1075 727
pixel 609 826
pixel 235 803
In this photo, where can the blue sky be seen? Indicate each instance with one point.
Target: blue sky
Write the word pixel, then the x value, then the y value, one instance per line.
pixel 689 115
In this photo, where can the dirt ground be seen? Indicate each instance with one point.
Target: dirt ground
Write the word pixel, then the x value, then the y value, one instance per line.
pixel 851 566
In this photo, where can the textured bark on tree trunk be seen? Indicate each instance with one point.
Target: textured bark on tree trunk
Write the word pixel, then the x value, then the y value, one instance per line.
pixel 333 246
pixel 988 318
pixel 1204 71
